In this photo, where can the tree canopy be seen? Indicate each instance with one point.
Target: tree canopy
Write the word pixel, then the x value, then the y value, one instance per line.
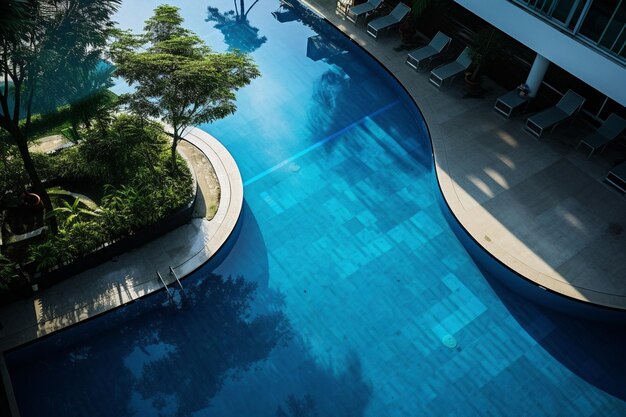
pixel 44 46
pixel 176 76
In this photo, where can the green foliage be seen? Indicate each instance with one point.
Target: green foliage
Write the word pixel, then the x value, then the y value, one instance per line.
pixel 131 144
pixel 12 175
pixel 71 213
pixel 177 77
pixel 131 162
pixel 41 59
pixel 8 273
pixel 487 45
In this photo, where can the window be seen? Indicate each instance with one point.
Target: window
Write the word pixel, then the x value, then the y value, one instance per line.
pixel 565 12
pixel 605 24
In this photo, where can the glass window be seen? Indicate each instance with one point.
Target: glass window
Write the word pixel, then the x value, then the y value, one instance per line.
pixel 566 12
pixel 604 22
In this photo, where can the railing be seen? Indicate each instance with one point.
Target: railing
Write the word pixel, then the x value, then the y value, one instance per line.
pixel 172 273
pixel 169 293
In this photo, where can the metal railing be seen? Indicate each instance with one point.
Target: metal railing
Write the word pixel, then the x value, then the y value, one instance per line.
pixel 172 273
pixel 169 293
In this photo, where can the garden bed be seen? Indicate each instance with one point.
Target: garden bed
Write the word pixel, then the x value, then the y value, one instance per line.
pixel 117 189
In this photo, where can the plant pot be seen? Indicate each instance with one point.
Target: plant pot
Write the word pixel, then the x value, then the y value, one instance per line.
pixel 473 88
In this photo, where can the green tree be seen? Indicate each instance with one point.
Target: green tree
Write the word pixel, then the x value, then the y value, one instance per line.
pixel 46 42
pixel 176 76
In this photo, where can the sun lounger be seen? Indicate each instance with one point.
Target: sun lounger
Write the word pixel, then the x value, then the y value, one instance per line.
pixel 450 70
pixel 506 104
pixel 384 22
pixel 617 177
pixel 610 130
pixel 364 9
pixel 550 118
pixel 428 52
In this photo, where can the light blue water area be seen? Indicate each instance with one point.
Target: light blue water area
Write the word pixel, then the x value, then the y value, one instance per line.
pixel 356 299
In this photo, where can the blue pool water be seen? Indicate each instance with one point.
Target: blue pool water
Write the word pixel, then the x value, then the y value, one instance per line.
pixel 345 292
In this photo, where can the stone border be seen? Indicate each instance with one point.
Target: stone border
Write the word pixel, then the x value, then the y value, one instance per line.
pixel 231 198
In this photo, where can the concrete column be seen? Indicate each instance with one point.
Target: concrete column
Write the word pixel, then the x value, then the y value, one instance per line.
pixel 535 76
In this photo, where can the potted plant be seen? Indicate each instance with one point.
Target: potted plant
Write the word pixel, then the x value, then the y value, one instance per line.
pixel 408 27
pixel 486 45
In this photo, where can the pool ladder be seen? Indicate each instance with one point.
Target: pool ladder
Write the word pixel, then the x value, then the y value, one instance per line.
pixel 169 293
pixel 172 273
pixel 167 289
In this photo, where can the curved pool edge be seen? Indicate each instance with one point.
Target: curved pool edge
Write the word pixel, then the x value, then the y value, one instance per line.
pixel 216 233
pixel 224 222
pixel 562 298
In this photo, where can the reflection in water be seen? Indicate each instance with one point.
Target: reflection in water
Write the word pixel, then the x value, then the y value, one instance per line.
pixel 295 407
pixel 235 340
pixel 330 89
pixel 234 25
pixel 165 361
pixel 284 13
pixel 319 48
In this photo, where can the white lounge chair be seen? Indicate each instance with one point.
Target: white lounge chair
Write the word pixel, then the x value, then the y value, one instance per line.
pixel 569 105
pixel 450 70
pixel 385 22
pixel 364 9
pixel 610 130
pixel 617 177
pixel 428 52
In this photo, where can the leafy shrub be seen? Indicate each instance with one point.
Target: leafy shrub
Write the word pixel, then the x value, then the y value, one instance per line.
pixel 131 161
pixel 8 273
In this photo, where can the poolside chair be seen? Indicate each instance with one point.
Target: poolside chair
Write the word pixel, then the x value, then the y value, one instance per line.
pixel 364 9
pixel 507 103
pixel 428 52
pixel 617 177
pixel 450 70
pixel 612 127
pixel 569 105
pixel 385 22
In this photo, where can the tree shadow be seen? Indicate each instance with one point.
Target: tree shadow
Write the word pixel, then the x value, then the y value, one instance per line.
pixel 157 357
pixel 592 350
pixel 234 25
pixel 191 356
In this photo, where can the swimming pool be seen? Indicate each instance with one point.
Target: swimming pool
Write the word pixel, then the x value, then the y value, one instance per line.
pixel 355 297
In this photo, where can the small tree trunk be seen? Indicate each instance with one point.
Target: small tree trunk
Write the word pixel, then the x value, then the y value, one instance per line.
pixel 38 187
pixel 475 74
pixel 175 140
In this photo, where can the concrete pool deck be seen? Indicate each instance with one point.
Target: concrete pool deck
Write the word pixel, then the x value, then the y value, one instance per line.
pixel 540 208
pixel 132 275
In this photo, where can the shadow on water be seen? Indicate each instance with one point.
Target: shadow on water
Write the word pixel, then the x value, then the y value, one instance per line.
pixel 159 359
pixel 234 25
pixel 248 256
pixel 228 341
pixel 343 395
pixel 594 351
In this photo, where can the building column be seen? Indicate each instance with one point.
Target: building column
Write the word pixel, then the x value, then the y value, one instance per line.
pixel 535 76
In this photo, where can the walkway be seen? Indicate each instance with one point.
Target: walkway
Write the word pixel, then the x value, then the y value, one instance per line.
pixel 541 208
pixel 132 275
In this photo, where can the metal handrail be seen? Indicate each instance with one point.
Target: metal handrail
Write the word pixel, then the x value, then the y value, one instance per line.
pixel 165 285
pixel 172 273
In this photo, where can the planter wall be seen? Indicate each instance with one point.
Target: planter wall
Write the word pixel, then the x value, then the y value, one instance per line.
pixel 117 248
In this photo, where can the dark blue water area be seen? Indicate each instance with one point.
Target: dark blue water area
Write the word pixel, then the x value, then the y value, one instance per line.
pixel 345 292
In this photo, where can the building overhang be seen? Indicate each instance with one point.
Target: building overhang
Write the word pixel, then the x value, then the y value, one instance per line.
pixel 584 62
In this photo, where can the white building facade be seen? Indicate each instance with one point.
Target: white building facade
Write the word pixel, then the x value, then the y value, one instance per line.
pixel 587 38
